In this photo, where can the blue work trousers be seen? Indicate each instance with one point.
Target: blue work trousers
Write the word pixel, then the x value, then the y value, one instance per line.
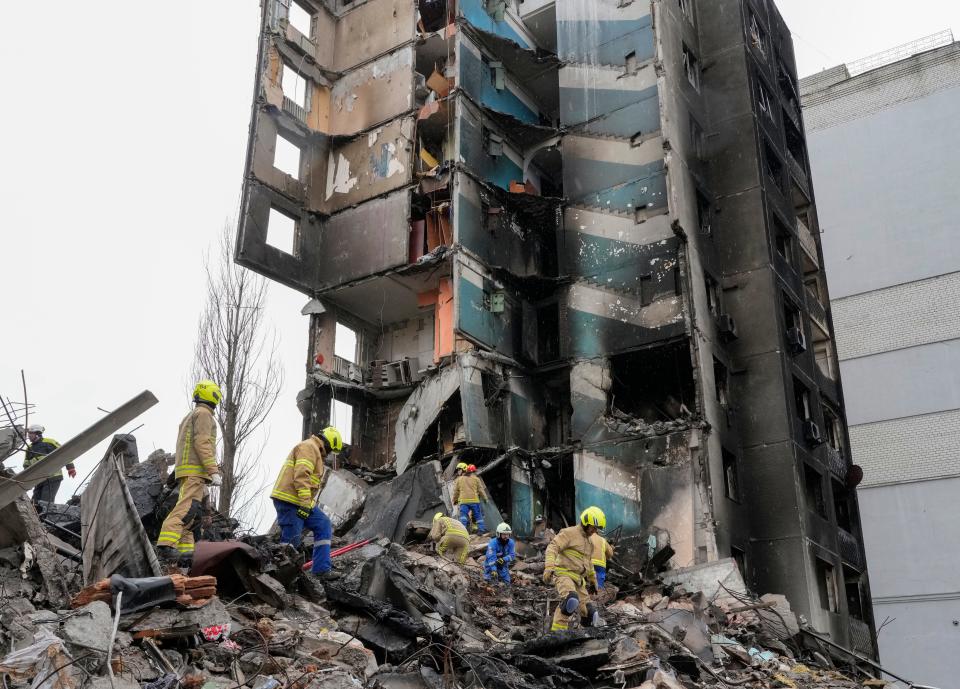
pixel 291 531
pixel 601 575
pixel 466 509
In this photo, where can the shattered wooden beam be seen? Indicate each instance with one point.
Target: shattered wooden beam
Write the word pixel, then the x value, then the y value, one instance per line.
pixel 12 488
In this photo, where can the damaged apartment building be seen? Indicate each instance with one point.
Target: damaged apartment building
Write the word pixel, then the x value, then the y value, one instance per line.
pixel 572 242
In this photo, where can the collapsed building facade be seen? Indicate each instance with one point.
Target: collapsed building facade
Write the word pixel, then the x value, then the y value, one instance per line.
pixel 574 243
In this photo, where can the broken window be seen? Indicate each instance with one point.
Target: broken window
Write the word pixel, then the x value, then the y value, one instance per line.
pixel 286 157
pixel 686 9
pixel 345 343
pixel 758 38
pixel 763 101
pixel 497 75
pixel 784 243
pixel 794 334
pixel 740 557
pixel 731 475
pixel 832 430
pixel 493 143
pixel 691 65
pixel 721 378
pixel 548 333
pixel 795 143
pixel 853 583
pixel 842 505
pixel 696 139
pixel 341 418
pixel 704 214
pixel 827 585
pixel 773 166
pixel 281 232
pixel 667 391
pixel 801 398
pixel 713 295
pixel 301 19
pixel 813 488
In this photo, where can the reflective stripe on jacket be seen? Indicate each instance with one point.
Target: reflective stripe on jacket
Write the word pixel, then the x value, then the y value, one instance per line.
pixel 301 473
pixel 197 444
pixel 41 449
pixel 445 526
pixel 468 490
pixel 601 550
pixel 570 554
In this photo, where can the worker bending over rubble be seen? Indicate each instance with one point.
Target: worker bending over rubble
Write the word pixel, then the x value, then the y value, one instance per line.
pixel 195 469
pixel 40 447
pixel 468 493
pixel 451 538
pixel 295 493
pixel 569 564
pixel 501 554
pixel 602 551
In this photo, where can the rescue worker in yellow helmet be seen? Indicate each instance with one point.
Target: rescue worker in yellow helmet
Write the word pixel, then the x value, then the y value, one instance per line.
pixel 451 538
pixel 602 551
pixel 295 493
pixel 569 564
pixel 461 468
pixel 40 447
pixel 195 469
pixel 468 493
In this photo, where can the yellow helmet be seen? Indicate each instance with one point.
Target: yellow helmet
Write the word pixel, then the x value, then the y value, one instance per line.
pixel 462 466
pixel 207 391
pixel 333 438
pixel 594 516
pixel 438 515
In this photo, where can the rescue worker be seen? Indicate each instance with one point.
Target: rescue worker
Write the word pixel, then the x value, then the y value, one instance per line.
pixel 461 469
pixel 451 538
pixel 195 469
pixel 501 553
pixel 602 551
pixel 468 493
pixel 295 493
pixel 569 564
pixel 40 447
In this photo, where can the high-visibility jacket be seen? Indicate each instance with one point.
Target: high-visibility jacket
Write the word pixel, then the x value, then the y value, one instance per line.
pixel 602 550
pixel 41 449
pixel 301 473
pixel 444 526
pixel 468 490
pixel 197 444
pixel 570 554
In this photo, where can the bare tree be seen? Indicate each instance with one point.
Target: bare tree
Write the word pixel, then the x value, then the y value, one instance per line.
pixel 238 350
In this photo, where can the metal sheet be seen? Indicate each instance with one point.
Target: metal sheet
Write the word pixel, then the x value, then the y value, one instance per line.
pixel 11 489
pixel 114 541
pixel 421 410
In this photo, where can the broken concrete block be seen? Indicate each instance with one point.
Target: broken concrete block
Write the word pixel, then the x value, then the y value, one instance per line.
pixel 707 578
pixel 780 613
pixel 91 626
pixel 343 496
pixel 118 682
pixel 342 647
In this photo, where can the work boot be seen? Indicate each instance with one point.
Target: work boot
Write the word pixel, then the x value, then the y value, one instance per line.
pixel 186 563
pixel 329 575
pixel 571 604
pixel 168 555
pixel 593 616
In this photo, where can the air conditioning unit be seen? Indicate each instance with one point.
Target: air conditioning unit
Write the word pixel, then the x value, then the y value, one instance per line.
pixel 727 327
pixel 811 433
pixel 796 340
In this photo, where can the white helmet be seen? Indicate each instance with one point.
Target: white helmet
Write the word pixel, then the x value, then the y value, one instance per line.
pixel 35 428
pixel 503 528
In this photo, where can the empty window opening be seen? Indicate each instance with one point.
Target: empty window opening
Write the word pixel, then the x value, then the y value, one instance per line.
pixel 301 19
pixel 764 102
pixel 827 585
pixel 795 143
pixel 286 157
pixel 691 65
pixel 294 87
pixel 704 214
pixel 667 391
pixel 630 65
pixel 773 166
pixel 548 333
pixel 731 476
pixel 740 557
pixel 801 397
pixel 646 290
pixel 813 488
pixel 784 243
pixel 853 583
pixel 721 378
pixel 832 430
pixel 714 299
pixel 758 38
pixel 794 334
pixel 842 505
pixel 345 343
pixel 341 418
pixel 282 232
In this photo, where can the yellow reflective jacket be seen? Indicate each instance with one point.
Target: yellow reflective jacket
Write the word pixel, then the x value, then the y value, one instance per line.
pixel 602 550
pixel 41 449
pixel 444 526
pixel 301 473
pixel 197 444
pixel 468 490
pixel 570 554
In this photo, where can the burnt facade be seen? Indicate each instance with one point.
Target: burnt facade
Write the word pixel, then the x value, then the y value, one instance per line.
pixel 573 242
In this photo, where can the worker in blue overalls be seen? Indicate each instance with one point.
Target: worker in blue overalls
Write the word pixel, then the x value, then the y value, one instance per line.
pixel 501 553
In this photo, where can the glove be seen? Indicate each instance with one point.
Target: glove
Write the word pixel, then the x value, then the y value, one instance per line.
pixel 499 562
pixel 547 576
pixel 303 512
pixel 72 473
pixel 216 480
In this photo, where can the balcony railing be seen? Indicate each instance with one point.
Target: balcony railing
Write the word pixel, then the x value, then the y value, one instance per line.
pixel 292 108
pixel 836 462
pixel 816 310
pixel 861 637
pixel 849 548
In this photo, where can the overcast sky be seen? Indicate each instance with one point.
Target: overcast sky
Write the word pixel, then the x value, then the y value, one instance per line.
pixel 123 135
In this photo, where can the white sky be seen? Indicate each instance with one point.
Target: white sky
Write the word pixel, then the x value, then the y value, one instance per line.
pixel 122 141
